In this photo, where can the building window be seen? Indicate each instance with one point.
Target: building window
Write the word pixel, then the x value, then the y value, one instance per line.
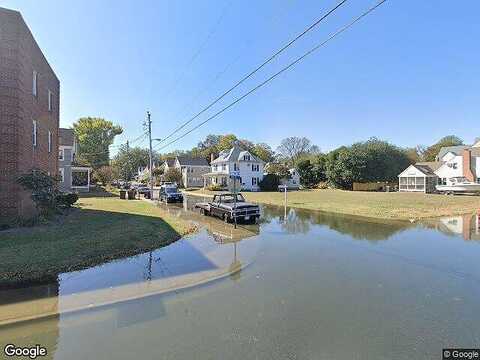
pixel 254 181
pixel 34 83
pixel 62 174
pixel 50 101
pixel 49 141
pixel 60 154
pixel 224 166
pixel 255 167
pixel 235 167
pixel 246 157
pixel 442 181
pixel 34 133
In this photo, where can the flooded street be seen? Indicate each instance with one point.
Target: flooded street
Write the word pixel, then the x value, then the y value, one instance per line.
pixel 299 285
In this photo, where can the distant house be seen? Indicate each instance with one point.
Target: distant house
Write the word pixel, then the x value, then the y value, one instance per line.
pixel 192 170
pixel 73 178
pixel 453 163
pixel 238 162
pixel 169 163
pixel 293 182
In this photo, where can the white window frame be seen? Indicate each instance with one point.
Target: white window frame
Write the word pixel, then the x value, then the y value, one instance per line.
pixel 34 133
pixel 61 151
pixel 61 171
pixel 35 83
pixel 50 101
pixel 49 141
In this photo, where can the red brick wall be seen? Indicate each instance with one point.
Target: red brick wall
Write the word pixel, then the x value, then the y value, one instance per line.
pixel 19 57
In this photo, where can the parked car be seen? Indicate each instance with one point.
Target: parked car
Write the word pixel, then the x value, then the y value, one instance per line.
pixel 229 207
pixel 169 193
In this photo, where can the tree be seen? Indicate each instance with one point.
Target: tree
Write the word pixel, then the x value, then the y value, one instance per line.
pixel 279 169
pixel 269 182
pixel 106 174
pixel 312 170
pixel 369 161
pixel 432 151
pixel 173 175
pixel 94 136
pixel 293 148
pixel 263 152
pixel 128 161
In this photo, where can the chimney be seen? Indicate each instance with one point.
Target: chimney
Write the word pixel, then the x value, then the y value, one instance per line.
pixel 467 165
pixel 212 157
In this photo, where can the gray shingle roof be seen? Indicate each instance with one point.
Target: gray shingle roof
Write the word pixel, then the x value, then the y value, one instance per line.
pixel 66 137
pixel 457 150
pixel 235 154
pixel 429 168
pixel 192 161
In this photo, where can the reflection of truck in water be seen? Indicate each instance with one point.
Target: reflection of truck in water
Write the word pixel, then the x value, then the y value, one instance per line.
pixel 230 207
pixel 169 193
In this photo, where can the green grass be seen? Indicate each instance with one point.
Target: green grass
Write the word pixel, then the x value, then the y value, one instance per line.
pixel 402 206
pixel 98 230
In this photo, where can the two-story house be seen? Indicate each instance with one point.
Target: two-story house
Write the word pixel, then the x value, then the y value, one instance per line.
pixel 239 163
pixel 192 170
pixel 73 178
pixel 452 163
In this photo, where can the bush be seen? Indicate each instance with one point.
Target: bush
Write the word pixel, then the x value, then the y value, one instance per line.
pixel 269 182
pixel 214 187
pixel 43 188
pixel 67 200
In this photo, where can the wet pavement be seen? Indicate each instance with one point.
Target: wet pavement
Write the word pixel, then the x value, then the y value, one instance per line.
pixel 299 285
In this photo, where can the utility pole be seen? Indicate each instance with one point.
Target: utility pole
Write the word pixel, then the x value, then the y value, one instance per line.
pixel 149 123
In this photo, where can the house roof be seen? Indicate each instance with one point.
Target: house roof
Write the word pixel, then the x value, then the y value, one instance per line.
pixel 66 137
pixel 170 162
pixel 192 161
pixel 428 168
pixel 235 154
pixel 457 150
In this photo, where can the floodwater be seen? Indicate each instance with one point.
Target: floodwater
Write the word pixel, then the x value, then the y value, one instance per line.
pixel 299 285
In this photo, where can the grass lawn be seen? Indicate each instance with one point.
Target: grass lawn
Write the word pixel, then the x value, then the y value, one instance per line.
pixel 402 206
pixel 99 229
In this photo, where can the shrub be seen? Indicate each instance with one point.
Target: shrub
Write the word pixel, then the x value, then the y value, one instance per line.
pixel 44 190
pixel 269 182
pixel 173 175
pixel 66 200
pixel 214 187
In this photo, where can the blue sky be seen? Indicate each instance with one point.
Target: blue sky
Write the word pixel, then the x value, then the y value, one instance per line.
pixel 409 73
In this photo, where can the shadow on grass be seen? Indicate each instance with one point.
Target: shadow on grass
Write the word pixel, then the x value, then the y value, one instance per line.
pixel 84 239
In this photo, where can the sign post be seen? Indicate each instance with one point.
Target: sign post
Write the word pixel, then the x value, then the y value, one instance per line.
pixel 234 175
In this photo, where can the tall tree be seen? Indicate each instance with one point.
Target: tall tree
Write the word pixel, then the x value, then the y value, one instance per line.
pixel 94 136
pixel 264 152
pixel 432 151
pixel 128 161
pixel 292 149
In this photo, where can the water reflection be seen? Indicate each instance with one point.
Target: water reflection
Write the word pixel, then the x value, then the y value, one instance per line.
pixel 307 295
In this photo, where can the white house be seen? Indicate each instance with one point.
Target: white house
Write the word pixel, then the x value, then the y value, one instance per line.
pixel 453 162
pixel 293 182
pixel 73 177
pixel 237 162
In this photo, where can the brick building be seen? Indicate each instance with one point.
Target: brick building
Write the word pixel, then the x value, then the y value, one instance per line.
pixel 29 113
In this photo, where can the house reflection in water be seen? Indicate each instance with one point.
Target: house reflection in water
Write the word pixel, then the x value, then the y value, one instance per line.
pixel 468 226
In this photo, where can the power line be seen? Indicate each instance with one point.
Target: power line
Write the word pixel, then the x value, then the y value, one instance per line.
pixel 197 53
pixel 315 48
pixel 246 77
pixel 247 43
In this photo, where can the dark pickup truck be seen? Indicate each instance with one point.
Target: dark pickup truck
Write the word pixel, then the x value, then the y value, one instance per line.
pixel 225 207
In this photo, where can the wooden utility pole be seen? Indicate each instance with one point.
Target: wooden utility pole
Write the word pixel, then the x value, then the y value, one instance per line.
pixel 149 124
